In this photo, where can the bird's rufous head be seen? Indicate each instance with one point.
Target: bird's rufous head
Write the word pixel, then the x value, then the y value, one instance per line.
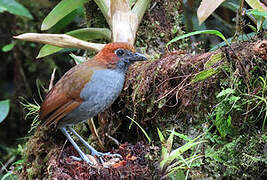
pixel 119 55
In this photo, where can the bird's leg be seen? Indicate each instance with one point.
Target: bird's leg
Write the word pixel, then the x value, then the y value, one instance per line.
pixel 82 155
pixel 93 150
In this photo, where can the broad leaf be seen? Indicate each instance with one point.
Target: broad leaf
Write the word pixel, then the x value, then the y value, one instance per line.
pixel 257 12
pixel 255 4
pixel 8 47
pixel 4 109
pixel 14 7
pixel 61 10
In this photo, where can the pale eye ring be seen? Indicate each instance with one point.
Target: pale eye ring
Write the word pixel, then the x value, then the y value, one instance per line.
pixel 119 52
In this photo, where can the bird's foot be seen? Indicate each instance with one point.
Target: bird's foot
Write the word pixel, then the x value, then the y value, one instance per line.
pixel 77 158
pixel 100 154
pixel 94 152
pixel 91 161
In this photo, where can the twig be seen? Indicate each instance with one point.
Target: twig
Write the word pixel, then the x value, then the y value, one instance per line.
pixel 113 139
pixel 52 79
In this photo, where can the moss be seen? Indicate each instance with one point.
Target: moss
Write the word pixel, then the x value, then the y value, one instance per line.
pixel 240 157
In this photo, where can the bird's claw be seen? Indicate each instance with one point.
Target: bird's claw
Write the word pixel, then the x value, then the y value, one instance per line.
pixel 87 158
pixel 100 154
pixel 76 158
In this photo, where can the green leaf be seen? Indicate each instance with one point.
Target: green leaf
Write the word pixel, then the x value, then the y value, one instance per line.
pixel 82 34
pixel 161 137
pixel 213 60
pixel 142 129
pixel 243 37
pixel 78 59
pixel 4 109
pixel 215 32
pixel 224 126
pixel 164 151
pixel 182 136
pixel 14 7
pixel 255 4
pixel 2 9
pixel 233 6
pixel 177 153
pixel 180 175
pixel 7 47
pixel 62 9
pixel 170 141
pixel 233 99
pixel 257 12
pixel 64 22
pixel 204 74
pixel 226 92
pixel 252 28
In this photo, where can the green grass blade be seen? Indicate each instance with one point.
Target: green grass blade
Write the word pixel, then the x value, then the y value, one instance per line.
pixel 161 137
pixel 170 141
pixel 243 37
pixel 215 32
pixel 148 138
pixel 164 151
pixel 177 152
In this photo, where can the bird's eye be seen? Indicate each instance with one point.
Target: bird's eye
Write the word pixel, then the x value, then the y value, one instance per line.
pixel 119 52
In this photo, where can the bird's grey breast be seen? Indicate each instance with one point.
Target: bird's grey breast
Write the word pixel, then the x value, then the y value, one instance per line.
pixel 102 90
pixel 98 94
pixel 104 85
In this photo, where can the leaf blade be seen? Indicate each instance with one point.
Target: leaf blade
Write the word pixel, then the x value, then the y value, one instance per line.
pixel 204 74
pixel 4 109
pixel 14 7
pixel 215 32
pixel 62 9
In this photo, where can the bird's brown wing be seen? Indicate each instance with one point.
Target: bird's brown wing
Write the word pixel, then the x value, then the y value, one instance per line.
pixel 64 97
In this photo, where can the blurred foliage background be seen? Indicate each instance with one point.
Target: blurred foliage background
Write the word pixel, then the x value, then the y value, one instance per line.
pixel 26 79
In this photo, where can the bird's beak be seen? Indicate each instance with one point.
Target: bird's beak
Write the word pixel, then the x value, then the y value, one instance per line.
pixel 139 57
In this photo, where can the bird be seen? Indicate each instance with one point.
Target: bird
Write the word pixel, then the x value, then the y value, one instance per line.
pixel 86 90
